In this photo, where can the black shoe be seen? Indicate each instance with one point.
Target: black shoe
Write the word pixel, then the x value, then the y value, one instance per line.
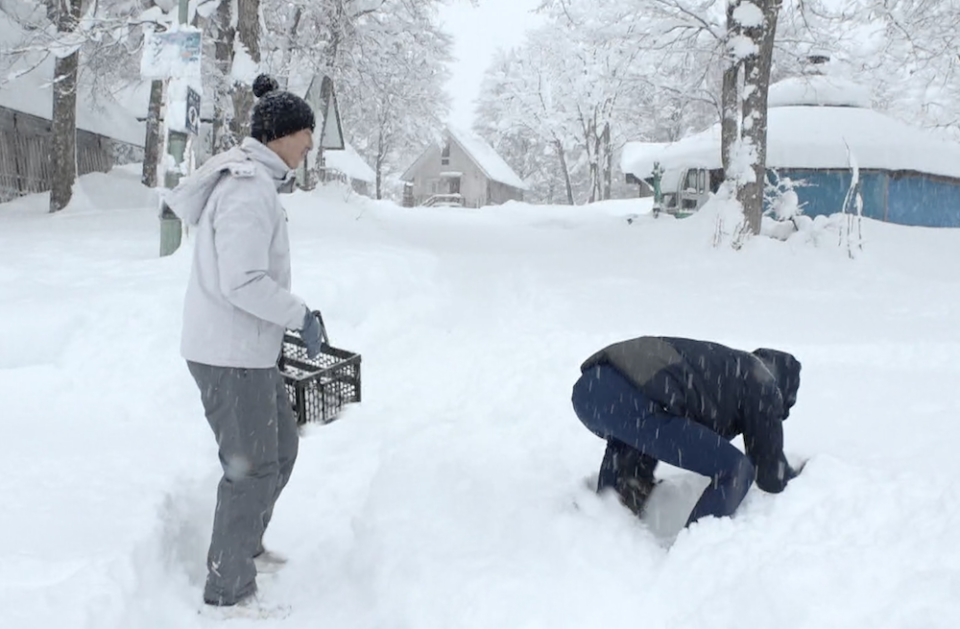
pixel 634 492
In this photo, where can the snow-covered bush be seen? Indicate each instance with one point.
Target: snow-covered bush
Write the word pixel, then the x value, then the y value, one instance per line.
pixel 783 206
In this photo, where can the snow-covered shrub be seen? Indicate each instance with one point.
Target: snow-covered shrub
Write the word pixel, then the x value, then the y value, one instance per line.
pixel 783 206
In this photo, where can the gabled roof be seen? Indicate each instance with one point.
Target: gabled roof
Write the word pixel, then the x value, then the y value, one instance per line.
pixel 481 154
pixel 487 159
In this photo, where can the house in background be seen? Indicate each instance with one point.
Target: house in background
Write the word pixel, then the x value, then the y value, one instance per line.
pixel 463 170
pixel 818 127
pixel 108 135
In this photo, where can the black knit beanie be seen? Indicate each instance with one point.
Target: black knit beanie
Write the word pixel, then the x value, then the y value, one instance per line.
pixel 277 113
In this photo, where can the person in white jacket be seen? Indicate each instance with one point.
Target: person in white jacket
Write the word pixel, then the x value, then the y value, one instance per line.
pixel 237 306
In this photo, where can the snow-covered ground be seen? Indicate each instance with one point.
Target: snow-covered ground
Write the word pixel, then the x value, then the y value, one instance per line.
pixel 446 500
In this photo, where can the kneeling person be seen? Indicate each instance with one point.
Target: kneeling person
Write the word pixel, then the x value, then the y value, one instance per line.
pixel 681 401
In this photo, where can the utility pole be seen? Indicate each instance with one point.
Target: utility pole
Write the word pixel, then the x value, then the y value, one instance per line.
pixel 171 230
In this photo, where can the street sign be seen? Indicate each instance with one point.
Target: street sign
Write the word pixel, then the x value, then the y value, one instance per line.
pixel 193 111
pixel 171 54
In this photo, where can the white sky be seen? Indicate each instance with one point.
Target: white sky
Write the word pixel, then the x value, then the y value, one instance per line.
pixel 477 33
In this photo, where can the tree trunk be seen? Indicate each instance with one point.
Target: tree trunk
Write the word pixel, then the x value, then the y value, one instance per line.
pixel 566 171
pixel 151 151
pixel 223 138
pixel 593 138
pixel 381 154
pixel 607 163
pixel 248 32
pixel 730 110
pixel 288 44
pixel 336 39
pixel 756 70
pixel 63 158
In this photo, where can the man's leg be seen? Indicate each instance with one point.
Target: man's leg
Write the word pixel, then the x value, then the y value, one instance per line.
pixel 621 461
pixel 288 445
pixel 624 469
pixel 612 408
pixel 241 408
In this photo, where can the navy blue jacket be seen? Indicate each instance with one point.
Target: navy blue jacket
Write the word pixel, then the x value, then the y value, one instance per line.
pixel 730 391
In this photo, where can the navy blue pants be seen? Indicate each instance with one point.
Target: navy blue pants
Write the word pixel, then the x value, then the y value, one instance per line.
pixel 639 435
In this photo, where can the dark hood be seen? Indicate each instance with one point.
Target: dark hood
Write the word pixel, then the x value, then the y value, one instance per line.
pixel 786 370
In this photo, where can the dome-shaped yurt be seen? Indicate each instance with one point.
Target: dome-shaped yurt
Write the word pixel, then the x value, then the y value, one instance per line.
pixel 818 126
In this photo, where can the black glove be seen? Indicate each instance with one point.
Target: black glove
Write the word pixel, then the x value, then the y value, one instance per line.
pixel 313 334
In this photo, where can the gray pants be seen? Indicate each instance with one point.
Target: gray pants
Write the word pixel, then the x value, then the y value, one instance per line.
pixel 253 422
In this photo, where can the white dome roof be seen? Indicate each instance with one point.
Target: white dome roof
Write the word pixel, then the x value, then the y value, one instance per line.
pixel 818 90
pixel 813 121
pixel 804 137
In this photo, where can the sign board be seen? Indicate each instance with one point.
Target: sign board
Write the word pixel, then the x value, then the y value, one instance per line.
pixel 171 55
pixel 192 122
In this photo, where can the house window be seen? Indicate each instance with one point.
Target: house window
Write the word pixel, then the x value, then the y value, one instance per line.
pixel 445 155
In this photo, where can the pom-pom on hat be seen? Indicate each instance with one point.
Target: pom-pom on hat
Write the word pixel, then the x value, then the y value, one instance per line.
pixel 277 113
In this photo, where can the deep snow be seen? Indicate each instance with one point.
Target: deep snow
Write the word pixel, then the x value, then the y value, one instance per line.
pixel 447 498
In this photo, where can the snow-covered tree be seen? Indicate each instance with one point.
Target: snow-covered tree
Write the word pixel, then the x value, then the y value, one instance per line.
pixel 534 151
pixel 387 58
pixel 314 37
pixel 392 89
pixel 233 32
pixel 65 15
pixel 905 50
pixel 751 28
pixel 596 75
pixel 520 107
pixel 88 43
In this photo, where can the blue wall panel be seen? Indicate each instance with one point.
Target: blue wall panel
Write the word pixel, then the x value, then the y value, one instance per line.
pixel 918 200
pixel 824 191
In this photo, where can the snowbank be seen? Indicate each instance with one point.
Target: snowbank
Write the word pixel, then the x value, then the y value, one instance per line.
pixel 454 495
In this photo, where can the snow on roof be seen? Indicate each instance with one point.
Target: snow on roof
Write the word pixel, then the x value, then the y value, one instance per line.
pixel 486 158
pixel 818 89
pixel 349 162
pixel 31 93
pixel 816 137
pixel 636 151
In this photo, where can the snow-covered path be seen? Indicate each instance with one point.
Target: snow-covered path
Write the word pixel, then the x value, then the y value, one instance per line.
pixel 447 498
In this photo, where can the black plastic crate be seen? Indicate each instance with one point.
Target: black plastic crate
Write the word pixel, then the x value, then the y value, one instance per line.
pixel 319 387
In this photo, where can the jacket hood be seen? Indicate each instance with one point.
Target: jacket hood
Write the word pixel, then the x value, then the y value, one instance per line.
pixel 786 370
pixel 190 197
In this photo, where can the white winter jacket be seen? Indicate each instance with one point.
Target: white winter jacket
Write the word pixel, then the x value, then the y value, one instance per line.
pixel 238 300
